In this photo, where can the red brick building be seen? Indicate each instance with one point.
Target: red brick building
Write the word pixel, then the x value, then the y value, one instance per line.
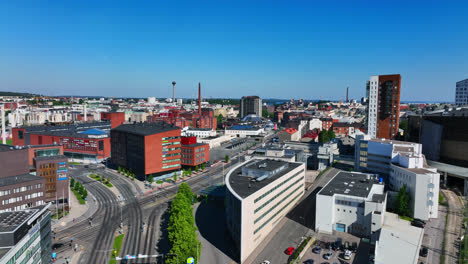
pixel 194 153
pixel 116 118
pixel 84 141
pixel 146 148
pixel 182 118
pixel 344 129
pixel 326 123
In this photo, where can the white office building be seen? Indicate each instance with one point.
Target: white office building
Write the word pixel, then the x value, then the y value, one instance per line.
pixel 399 241
pixel 259 194
pixel 198 132
pixel 351 202
pixel 373 95
pixel 461 93
pixel 401 163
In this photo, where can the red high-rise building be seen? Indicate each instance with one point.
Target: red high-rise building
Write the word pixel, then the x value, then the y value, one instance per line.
pixel 383 92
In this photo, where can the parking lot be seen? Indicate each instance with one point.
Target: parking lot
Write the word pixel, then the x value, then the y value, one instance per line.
pixel 359 255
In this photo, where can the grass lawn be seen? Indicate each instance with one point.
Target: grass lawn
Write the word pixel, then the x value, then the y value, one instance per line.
pixel 74 163
pixel 9 141
pixel 98 178
pixel 407 218
pixel 78 196
pixel 60 214
pixel 117 244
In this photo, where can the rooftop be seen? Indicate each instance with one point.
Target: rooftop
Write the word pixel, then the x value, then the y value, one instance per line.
pixel 19 179
pixel 350 183
pixel 383 140
pixel 146 129
pixel 244 186
pixel 7 148
pixel 399 242
pixel 9 221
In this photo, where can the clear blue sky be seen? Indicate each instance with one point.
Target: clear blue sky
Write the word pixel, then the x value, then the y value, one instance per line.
pixel 274 49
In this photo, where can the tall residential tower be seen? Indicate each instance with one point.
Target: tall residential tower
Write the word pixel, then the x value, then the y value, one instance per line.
pixel 250 105
pixel 383 92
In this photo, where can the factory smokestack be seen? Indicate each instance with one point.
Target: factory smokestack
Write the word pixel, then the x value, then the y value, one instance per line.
pixel 3 125
pixel 199 99
pixel 347 90
pixel 173 91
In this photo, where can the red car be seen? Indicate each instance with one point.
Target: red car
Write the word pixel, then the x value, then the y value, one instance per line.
pixel 289 250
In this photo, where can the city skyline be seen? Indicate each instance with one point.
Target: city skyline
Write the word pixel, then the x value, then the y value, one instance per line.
pixel 312 51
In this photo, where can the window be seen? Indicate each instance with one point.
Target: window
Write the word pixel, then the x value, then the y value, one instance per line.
pixel 101 145
pixel 20 134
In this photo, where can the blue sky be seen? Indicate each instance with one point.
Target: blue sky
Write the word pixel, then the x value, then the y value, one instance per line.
pixel 274 49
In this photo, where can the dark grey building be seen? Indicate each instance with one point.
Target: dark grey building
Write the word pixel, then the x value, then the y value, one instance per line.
pixel 25 236
pixel 250 105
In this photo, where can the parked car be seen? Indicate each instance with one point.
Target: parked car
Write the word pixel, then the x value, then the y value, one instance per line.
pixel 419 220
pixel 417 224
pixel 347 255
pixel 328 255
pixel 309 261
pixel 317 249
pixel 423 252
pixel 289 250
pixel 346 245
pixel 266 262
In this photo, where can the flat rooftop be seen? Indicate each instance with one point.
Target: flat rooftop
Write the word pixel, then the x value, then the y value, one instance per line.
pixel 399 241
pixel 244 186
pixel 18 179
pixel 350 183
pixel 392 141
pixel 146 129
pixel 9 221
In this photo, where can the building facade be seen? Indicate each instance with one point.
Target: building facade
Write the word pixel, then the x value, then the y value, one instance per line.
pixel 384 105
pixel 259 194
pixel 401 164
pixel 250 105
pixel 146 148
pixel 461 93
pixel 193 153
pixel 25 236
pixel 351 202
pixel 54 169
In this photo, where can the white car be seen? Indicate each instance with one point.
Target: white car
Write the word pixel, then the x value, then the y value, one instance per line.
pixel 266 262
pixel 347 255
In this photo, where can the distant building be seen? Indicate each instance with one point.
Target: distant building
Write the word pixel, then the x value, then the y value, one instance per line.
pixel 259 194
pixel 244 131
pixel 461 93
pixel 116 118
pixel 276 153
pixel 325 155
pixel 25 236
pixel 83 141
pixel 384 105
pixel 198 132
pixel 146 148
pixel 250 105
pixel 351 202
pixel 345 129
pixel 327 123
pixel 193 153
pixel 289 134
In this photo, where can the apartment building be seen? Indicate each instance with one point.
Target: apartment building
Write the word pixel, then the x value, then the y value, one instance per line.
pixel 461 93
pixel 250 105
pixel 383 92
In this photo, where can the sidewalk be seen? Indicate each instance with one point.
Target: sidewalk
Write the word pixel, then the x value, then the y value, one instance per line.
pixel 78 211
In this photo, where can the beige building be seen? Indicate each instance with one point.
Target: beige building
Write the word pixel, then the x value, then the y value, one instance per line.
pixel 259 194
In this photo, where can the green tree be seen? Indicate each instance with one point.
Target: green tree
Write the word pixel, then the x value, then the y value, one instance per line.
pixel 128 173
pixel 203 166
pixel 404 125
pixel 77 186
pixel 160 182
pixel 326 135
pixel 150 179
pixel 401 203
pixel 190 171
pixel 175 176
pixel 72 182
pixel 331 134
pixel 119 169
pixel 84 194
pixel 226 158
pixel 81 101
pixel 133 176
pixel 220 119
pixel 196 168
